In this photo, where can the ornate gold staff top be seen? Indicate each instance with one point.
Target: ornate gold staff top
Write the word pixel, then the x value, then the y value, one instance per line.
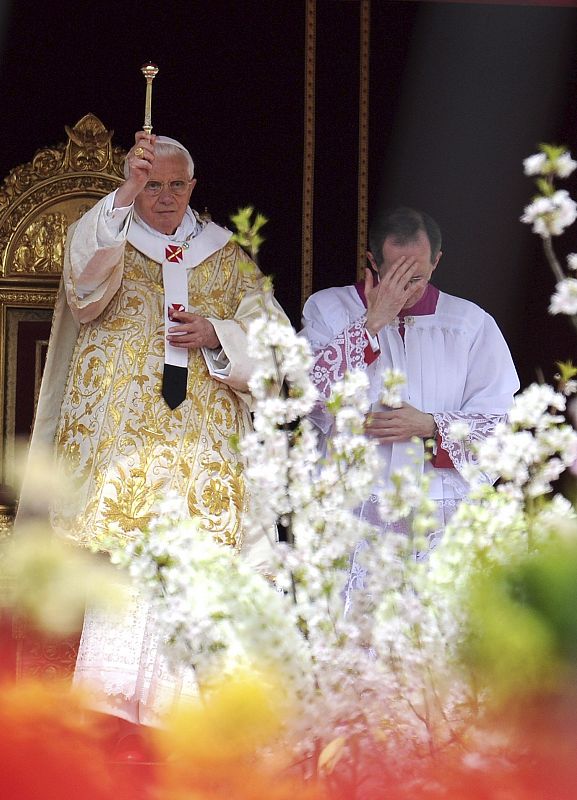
pixel 149 71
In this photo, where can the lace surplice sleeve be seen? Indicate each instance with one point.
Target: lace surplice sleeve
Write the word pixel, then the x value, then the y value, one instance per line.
pixel 459 454
pixel 339 343
pixel 350 349
pixel 491 384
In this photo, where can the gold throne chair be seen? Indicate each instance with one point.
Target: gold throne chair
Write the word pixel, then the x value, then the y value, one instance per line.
pixel 38 201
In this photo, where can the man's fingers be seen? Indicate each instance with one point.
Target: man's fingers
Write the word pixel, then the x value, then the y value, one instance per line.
pixel 141 155
pixel 145 140
pixel 188 345
pixel 383 425
pixel 369 281
pixel 400 272
pixel 403 273
pixel 182 316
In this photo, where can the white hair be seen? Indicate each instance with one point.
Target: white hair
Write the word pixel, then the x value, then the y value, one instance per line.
pixel 165 146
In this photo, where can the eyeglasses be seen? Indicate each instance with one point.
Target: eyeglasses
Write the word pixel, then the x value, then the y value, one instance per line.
pixel 174 187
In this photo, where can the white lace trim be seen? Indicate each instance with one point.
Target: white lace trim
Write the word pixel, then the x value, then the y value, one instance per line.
pixel 122 666
pixel 462 452
pixel 345 352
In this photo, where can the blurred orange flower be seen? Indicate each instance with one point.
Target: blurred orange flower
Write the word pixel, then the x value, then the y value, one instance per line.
pixel 50 747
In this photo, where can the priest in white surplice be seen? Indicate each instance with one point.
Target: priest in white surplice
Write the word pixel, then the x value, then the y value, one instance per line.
pixel 144 392
pixel 456 361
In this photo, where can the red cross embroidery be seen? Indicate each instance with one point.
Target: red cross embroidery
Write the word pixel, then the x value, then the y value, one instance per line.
pixel 173 253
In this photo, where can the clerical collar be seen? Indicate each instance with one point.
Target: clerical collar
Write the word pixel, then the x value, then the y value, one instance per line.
pixel 426 305
pixel 188 228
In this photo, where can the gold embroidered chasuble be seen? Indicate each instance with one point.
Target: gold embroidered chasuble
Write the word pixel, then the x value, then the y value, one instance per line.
pixel 118 440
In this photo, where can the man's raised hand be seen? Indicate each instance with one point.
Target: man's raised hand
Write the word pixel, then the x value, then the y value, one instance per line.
pixel 388 296
pixel 139 158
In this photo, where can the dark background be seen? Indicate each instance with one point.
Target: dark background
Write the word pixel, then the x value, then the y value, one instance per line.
pixel 460 93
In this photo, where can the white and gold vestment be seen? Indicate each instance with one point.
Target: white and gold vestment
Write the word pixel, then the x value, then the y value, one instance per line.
pixel 120 441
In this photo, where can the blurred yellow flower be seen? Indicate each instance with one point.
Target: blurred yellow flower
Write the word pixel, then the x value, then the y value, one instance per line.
pixel 232 720
pixel 228 746
pixel 49 581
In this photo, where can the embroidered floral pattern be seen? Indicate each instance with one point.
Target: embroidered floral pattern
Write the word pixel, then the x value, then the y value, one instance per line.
pixel 345 352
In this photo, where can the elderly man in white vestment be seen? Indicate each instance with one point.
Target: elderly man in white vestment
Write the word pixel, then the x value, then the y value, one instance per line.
pixel 144 390
pixel 456 362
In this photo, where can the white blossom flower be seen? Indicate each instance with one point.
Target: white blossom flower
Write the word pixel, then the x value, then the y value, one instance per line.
pixel 533 403
pixel 217 614
pixel 559 509
pixel 403 496
pixel 459 430
pixel 564 165
pixel 564 300
pixel 535 164
pixel 360 672
pixel 572 261
pixel 543 476
pixel 570 387
pixel 393 381
pixel 551 215
pixel 541 164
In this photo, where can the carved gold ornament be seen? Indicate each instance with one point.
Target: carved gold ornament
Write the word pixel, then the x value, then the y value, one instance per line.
pixel 39 200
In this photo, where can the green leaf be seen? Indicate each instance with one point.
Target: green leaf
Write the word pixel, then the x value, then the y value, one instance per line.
pixel 245 267
pixel 241 220
pixel 545 186
pixel 552 151
pixel 234 442
pixel 567 370
pixel 247 229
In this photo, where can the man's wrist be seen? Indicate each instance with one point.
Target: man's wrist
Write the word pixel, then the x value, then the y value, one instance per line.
pixel 373 340
pixel 127 193
pixel 371 328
